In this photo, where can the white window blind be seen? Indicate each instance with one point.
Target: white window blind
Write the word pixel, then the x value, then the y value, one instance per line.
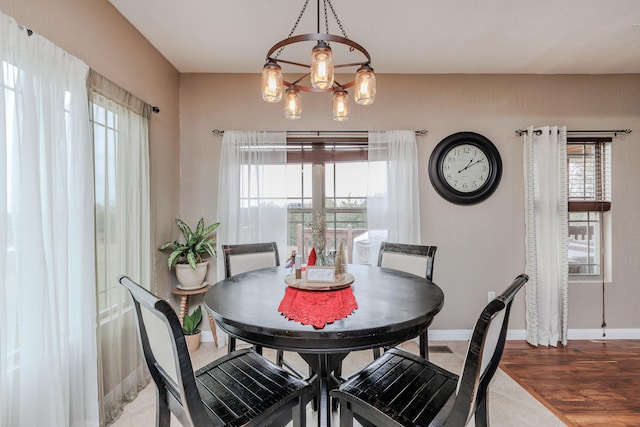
pixel 589 169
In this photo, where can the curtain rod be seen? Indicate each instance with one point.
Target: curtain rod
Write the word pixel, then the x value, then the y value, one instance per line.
pixel 420 132
pixel 29 31
pixel 615 132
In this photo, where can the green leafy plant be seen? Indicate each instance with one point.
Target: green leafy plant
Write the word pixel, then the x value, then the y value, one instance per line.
pixel 198 244
pixel 191 321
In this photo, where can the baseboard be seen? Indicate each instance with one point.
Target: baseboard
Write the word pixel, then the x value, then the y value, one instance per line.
pixel 449 335
pixel 512 334
pixel 609 334
pixel 521 334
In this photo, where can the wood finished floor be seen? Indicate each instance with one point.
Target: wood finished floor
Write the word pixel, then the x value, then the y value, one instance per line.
pixel 586 383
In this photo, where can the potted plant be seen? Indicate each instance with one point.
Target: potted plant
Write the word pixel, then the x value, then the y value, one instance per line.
pixel 190 325
pixel 188 257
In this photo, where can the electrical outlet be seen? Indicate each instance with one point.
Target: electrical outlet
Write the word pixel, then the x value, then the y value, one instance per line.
pixel 491 295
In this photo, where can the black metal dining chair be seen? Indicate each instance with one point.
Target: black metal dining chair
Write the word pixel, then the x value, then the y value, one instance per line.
pixel 404 389
pixel 239 389
pixel 245 257
pixel 241 258
pixel 414 259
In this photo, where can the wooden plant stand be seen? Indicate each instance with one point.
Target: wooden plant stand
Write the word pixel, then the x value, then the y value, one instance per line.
pixel 184 295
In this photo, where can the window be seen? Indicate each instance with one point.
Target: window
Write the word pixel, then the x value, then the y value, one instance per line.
pixel 8 263
pixel 120 143
pixel 589 200
pixel 10 156
pixel 105 138
pixel 326 178
pixel 120 123
pixel 345 180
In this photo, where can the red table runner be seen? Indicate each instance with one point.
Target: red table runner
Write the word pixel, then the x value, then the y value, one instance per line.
pixel 317 308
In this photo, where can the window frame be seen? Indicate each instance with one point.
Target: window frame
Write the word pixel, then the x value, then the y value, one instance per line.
pixel 319 151
pixel 599 204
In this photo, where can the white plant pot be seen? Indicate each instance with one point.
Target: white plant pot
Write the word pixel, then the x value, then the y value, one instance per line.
pixel 190 278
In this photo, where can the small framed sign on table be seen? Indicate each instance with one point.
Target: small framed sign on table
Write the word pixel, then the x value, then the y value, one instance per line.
pixel 320 274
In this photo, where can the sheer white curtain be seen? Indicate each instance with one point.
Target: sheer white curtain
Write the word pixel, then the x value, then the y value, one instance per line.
pixel 545 168
pixel 252 190
pixel 123 237
pixel 393 204
pixel 48 370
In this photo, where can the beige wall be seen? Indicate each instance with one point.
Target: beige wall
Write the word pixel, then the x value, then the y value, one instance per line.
pixel 95 32
pixel 480 247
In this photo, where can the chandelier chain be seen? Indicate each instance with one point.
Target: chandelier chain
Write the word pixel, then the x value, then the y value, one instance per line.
pixel 294 26
pixel 326 18
pixel 335 16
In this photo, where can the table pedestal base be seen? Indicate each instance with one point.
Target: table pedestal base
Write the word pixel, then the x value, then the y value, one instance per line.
pixel 323 365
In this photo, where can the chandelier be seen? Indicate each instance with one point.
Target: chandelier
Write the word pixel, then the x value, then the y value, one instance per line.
pixel 318 74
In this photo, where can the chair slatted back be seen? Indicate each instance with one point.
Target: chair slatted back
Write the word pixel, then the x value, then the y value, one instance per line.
pixel 248 257
pixel 414 259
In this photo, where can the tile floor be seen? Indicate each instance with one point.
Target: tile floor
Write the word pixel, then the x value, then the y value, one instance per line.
pixel 509 404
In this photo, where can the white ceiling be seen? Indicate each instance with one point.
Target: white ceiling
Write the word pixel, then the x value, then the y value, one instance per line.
pixel 403 36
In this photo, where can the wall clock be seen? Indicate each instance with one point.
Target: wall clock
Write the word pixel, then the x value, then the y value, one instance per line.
pixel 465 168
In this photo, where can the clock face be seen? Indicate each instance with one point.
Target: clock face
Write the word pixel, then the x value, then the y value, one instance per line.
pixel 465 168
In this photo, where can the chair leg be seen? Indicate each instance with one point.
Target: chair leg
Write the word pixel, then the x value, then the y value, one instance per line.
pixel 299 414
pixel 376 353
pixel 163 414
pixel 424 345
pixel 231 345
pixel 338 374
pixel 346 415
pixel 279 357
pixel 482 410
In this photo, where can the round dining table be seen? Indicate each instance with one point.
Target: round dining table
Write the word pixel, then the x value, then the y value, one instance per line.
pixel 392 307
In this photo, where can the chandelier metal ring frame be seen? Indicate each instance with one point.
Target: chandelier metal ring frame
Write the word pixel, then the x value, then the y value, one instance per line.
pixel 318 37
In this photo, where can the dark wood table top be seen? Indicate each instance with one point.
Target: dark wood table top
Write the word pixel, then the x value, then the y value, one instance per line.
pixel 392 307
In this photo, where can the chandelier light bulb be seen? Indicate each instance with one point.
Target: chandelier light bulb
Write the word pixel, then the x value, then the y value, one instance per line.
pixel 271 82
pixel 321 66
pixel 292 104
pixel 340 105
pixel 365 84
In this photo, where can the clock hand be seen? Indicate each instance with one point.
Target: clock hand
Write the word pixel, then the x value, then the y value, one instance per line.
pixel 467 167
pixel 479 161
